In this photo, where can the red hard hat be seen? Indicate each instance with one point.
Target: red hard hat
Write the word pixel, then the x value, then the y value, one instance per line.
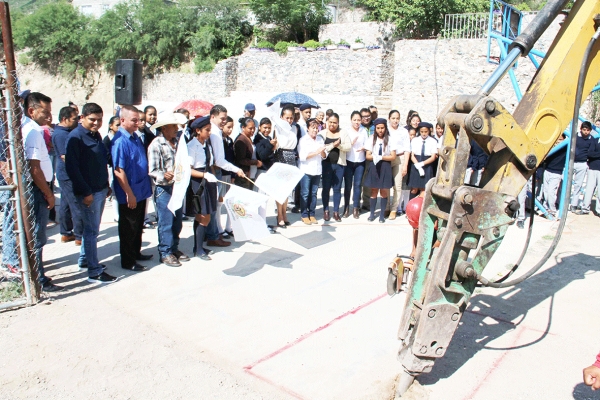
pixel 413 211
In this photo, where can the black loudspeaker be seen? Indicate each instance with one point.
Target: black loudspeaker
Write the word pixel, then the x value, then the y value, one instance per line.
pixel 128 82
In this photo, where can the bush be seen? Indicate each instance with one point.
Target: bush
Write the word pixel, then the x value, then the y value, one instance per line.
pixel 24 59
pixel 281 47
pixel 263 44
pixel 344 43
pixel 204 65
pixel 328 42
pixel 311 44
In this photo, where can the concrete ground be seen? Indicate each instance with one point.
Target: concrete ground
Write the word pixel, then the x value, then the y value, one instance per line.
pixel 300 314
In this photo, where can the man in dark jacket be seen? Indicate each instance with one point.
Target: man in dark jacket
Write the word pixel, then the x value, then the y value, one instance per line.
pixel 71 227
pixel 86 163
pixel 553 171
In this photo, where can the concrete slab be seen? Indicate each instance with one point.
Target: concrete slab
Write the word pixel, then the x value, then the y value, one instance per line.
pixel 299 314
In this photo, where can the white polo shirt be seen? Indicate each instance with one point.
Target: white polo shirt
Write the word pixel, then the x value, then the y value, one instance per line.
pixel 35 146
pixel 307 145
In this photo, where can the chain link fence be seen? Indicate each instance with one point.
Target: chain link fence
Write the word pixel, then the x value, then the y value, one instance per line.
pixel 18 266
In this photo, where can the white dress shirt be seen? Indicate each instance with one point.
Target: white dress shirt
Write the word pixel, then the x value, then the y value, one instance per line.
pixel 401 138
pixel 431 146
pixel 35 146
pixel 374 147
pixel 307 145
pixel 197 154
pixel 286 135
pixel 356 154
pixel 216 140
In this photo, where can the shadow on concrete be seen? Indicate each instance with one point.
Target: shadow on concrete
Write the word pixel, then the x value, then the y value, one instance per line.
pixel 583 392
pixel 475 332
pixel 310 240
pixel 75 281
pixel 253 262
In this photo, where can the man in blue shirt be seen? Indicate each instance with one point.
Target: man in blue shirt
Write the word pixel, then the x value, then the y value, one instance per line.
pixel 69 218
pixel 132 188
pixel 86 163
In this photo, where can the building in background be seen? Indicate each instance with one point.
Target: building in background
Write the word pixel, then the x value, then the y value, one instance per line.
pixel 95 8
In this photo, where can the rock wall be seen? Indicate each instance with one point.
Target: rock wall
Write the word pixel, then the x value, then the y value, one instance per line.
pixel 371 33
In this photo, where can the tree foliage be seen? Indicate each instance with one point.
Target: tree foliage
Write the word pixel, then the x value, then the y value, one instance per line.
pixel 299 20
pixel 161 35
pixel 420 18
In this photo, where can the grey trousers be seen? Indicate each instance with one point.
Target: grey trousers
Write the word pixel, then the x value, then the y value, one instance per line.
pixel 593 183
pixel 522 198
pixel 579 171
pixel 473 177
pixel 551 185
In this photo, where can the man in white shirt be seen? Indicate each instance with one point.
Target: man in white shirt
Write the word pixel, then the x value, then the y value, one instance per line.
pixel 37 109
pixel 249 112
pixel 305 113
pixel 218 119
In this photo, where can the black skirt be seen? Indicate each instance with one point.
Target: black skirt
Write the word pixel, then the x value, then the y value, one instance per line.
pixel 208 198
pixel 379 176
pixel 417 181
pixel 286 156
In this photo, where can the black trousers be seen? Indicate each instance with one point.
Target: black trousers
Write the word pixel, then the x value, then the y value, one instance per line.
pixel 131 224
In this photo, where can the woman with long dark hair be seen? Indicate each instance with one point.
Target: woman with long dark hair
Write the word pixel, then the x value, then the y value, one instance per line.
pixel 245 154
pixel 337 143
pixel 380 153
pixel 424 151
pixel 355 164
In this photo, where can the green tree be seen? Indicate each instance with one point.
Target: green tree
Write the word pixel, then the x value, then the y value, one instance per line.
pixel 420 18
pixel 219 29
pixel 52 36
pixel 299 19
pixel 147 30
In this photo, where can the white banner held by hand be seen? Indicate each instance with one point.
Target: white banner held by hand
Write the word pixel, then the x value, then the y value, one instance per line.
pixel 279 181
pixel 182 172
pixel 248 213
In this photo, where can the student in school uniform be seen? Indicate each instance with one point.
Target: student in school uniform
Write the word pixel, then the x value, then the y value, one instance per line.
pixel 399 135
pixel 380 154
pixel 424 150
pixel 204 183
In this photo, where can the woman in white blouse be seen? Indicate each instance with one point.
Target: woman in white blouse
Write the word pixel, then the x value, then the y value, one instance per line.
pixel 355 164
pixel 399 135
pixel 380 153
pixel 287 139
pixel 424 151
pixel 311 150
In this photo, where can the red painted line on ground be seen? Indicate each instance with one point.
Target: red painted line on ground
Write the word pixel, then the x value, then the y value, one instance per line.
pixel 494 366
pixel 309 334
pixel 282 388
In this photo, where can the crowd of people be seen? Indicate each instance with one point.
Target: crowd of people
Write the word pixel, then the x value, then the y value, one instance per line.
pixel 374 160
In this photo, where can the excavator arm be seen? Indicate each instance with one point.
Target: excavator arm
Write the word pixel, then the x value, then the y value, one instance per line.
pixel 472 221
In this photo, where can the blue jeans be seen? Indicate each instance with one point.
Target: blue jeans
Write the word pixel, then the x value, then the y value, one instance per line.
pixel 9 239
pixel 70 217
pixel 332 177
pixel 169 225
pixel 91 217
pixel 309 184
pixel 41 214
pixel 353 174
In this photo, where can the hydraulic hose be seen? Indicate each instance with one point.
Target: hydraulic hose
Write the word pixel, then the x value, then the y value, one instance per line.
pixel 563 218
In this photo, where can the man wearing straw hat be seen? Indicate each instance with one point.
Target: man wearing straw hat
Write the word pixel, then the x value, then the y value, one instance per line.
pixel 161 161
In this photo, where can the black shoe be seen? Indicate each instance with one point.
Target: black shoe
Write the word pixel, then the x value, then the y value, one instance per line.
pixel 287 223
pixel 381 221
pixel 204 257
pixel 180 256
pixel 85 267
pixel 170 261
pixel 50 287
pixel 144 257
pixel 135 268
pixel 208 251
pixel 371 219
pixel 521 224
pixel 102 278
pixel 230 233
pixel 295 210
pixel 225 235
